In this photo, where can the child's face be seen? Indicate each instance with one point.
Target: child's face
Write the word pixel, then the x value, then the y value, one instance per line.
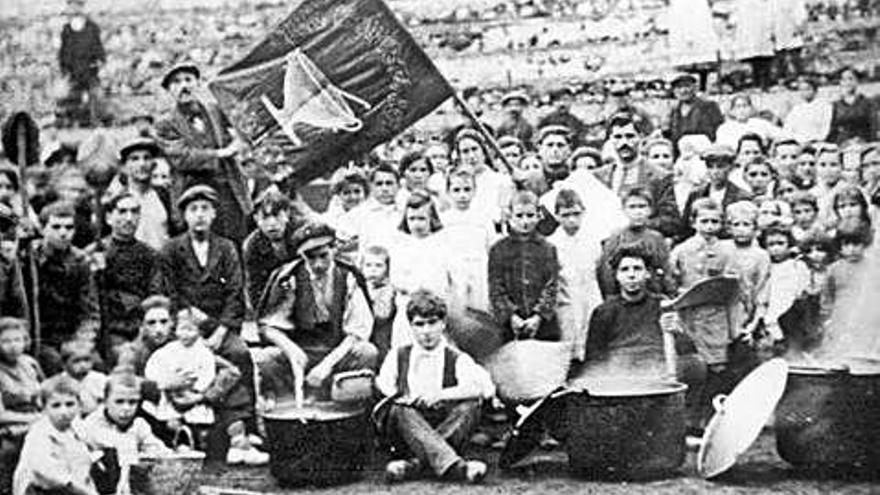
pixel 848 208
pixel 427 332
pixel 768 213
pixel 461 191
pixel 777 247
pixel 531 164
pixel 718 171
pixel 828 168
pixel 817 256
pixel 742 230
pixel 272 225
pixel 637 210
pixel 570 219
pixel 122 404
pixel 748 151
pixel 417 174
pixel 79 364
pixel 187 332
pixel 524 218
pixel 804 214
pixel 157 325
pixel 852 251
pixel 513 153
pixel 62 409
pixel 419 220
pixel 661 156
pixel 352 195
pixel 59 231
pixel 758 177
pixel 6 189
pixel 707 223
pixel 632 275
pixel 12 344
pixel 161 176
pixel 374 267
pixel 384 187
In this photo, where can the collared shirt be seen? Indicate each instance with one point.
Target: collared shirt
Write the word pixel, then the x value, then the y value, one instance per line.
pixel 101 433
pixel 425 374
pixel 50 454
pixel 200 249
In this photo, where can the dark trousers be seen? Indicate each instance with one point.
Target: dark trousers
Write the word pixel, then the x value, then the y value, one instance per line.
pixel 433 436
pixel 240 403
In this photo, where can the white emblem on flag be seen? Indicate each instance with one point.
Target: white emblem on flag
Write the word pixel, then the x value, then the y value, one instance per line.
pixel 310 98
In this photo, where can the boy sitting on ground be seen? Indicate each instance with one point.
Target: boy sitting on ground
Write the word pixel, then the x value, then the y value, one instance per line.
pixel 433 398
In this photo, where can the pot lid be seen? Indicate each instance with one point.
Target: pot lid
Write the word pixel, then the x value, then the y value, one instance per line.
pixel 715 290
pixel 740 416
pixel 527 431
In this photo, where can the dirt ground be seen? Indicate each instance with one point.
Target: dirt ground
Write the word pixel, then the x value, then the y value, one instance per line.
pixel 759 470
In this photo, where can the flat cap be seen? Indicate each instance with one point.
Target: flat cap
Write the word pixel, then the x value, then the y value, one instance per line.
pixel 683 78
pixel 312 236
pixel 182 67
pixel 719 151
pixel 137 144
pixel 200 191
pixel 514 96
pixel 550 130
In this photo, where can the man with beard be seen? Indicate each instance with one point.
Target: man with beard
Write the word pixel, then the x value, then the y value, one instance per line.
pixel 631 170
pixel 128 272
pixel 202 150
pixel 562 116
pixel 514 124
pixel 691 114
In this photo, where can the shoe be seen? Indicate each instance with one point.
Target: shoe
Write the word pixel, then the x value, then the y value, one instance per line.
pixel 400 470
pixel 475 472
pixel 249 456
pixel 548 442
pixel 255 440
pixel 481 439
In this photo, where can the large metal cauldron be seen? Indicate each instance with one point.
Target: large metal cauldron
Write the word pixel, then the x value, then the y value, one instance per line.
pixel 320 444
pixel 829 419
pixel 626 428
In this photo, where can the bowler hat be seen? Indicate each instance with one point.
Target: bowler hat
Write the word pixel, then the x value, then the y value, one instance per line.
pixel 183 67
pixel 136 144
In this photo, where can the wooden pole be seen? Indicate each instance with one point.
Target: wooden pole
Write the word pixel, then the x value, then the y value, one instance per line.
pixel 481 129
pixel 34 316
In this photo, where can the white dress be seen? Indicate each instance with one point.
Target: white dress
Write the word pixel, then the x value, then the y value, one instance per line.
pixel 469 235
pixel 416 263
pixel 578 288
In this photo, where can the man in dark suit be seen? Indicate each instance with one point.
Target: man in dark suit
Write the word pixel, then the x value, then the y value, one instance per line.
pixel 202 150
pixel 204 275
pixel 719 162
pixel 631 170
pixel 691 114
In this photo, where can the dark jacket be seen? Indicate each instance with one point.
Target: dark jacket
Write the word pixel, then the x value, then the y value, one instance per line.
pixel 659 182
pixel 630 327
pixel 704 118
pixel 217 289
pixel 132 273
pixel 192 155
pixel 524 280
pixel 81 54
pixel 260 260
pixel 732 194
pixel 853 121
pixel 12 298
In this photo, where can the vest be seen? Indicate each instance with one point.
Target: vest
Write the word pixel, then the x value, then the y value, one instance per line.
pixel 450 357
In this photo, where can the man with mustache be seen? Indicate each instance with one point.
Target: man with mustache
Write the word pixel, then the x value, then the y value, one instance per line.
pixel 202 149
pixel 631 170
pixel 127 271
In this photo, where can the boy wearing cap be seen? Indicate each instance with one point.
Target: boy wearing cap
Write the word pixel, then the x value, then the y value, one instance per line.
pixel 719 160
pixel 204 274
pixel 201 150
pixel 315 311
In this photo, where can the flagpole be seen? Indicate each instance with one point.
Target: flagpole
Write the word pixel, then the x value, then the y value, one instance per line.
pixel 481 128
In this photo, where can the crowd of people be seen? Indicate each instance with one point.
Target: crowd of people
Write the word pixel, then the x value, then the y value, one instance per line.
pixel 175 290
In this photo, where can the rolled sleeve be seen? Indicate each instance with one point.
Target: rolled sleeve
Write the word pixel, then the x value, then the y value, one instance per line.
pixel 473 376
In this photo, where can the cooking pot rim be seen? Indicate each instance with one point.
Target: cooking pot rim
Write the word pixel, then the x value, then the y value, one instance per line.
pixel 321 411
pixel 627 387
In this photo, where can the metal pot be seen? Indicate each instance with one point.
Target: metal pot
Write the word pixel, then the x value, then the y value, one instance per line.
pixel 626 428
pixel 829 418
pixel 319 444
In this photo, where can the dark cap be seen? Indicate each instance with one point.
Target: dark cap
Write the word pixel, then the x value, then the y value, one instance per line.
pixel 549 130
pixel 183 67
pixel 200 191
pixel 138 144
pixel 683 78
pixel 312 236
pixel 559 93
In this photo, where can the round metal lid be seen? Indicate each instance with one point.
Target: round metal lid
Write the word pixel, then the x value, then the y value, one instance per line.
pixel 740 416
